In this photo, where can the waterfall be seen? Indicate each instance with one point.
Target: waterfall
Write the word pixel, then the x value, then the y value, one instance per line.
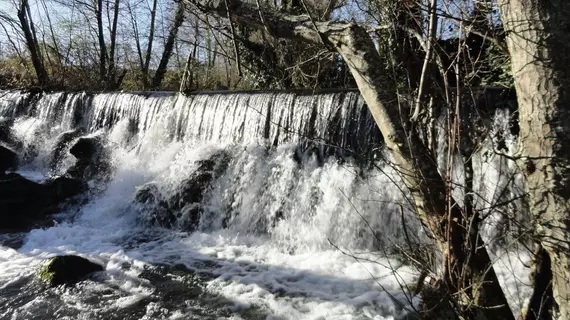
pixel 301 175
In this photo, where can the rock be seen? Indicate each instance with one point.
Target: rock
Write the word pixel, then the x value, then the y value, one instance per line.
pixel 24 202
pixel 155 208
pixel 68 270
pixel 148 194
pixel 85 148
pixel 8 159
pixel 7 136
pixel 190 216
pixel 61 146
pixel 63 188
pixel 192 189
pixel 6 130
pixel 92 159
pixel 183 207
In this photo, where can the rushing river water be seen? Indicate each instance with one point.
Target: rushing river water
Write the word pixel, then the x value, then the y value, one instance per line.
pixel 300 224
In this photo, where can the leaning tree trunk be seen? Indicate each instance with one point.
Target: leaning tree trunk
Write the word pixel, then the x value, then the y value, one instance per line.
pixel 539 45
pixel 168 46
pixel 469 274
pixel 32 43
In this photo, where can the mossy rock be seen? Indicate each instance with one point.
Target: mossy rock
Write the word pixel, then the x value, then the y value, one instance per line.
pixel 68 270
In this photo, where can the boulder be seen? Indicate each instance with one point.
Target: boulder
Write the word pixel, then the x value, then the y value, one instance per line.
pixel 63 188
pixel 86 148
pixel 190 216
pixel 8 159
pixel 92 159
pixel 182 207
pixel 6 130
pixel 193 188
pixel 67 270
pixel 155 208
pixel 21 202
pixel 61 146
pixel 24 202
pixel 148 194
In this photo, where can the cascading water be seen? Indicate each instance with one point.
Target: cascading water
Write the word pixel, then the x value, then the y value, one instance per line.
pixel 299 191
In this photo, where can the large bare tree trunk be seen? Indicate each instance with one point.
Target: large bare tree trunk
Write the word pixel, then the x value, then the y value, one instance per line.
pixel 112 80
pixel 468 273
pixel 538 39
pixel 188 75
pixel 169 45
pixel 150 40
pixel 98 5
pixel 32 42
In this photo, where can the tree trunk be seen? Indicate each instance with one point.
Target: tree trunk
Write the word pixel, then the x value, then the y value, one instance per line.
pixel 138 47
pixel 188 75
pixel 169 45
pixel 112 82
pixel 541 301
pixel 539 46
pixel 470 274
pixel 32 44
pixel 101 40
pixel 148 53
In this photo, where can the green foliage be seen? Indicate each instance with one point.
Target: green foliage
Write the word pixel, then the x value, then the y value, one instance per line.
pixel 499 68
pixel 14 74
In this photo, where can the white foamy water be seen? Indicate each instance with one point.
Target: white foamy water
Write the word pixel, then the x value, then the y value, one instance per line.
pixel 294 228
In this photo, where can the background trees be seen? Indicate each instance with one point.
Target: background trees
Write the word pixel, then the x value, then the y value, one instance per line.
pixel 104 44
pixel 145 44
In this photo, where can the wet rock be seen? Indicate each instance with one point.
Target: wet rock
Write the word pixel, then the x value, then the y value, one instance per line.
pixel 7 137
pixel 6 130
pixel 68 270
pixel 154 206
pixel 8 159
pixel 86 148
pixel 63 188
pixel 192 189
pixel 148 194
pixel 92 159
pixel 183 207
pixel 61 145
pixel 190 216
pixel 24 202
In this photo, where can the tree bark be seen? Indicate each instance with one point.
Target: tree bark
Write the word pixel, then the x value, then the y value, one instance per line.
pixel 411 158
pixel 541 301
pixel 188 75
pixel 539 46
pixel 146 64
pixel 101 40
pixel 112 82
pixel 31 43
pixel 169 45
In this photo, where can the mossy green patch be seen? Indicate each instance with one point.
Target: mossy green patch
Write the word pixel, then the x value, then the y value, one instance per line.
pixel 45 274
pixel 67 270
